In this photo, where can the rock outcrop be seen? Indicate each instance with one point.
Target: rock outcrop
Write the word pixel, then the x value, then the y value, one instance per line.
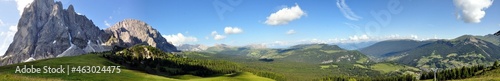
pixel 130 32
pixel 46 30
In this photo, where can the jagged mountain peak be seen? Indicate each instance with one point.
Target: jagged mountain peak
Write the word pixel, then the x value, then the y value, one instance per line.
pixel 131 31
pixel 46 30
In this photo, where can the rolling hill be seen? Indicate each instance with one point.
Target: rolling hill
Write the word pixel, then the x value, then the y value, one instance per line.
pixel 390 47
pixel 127 73
pixel 303 62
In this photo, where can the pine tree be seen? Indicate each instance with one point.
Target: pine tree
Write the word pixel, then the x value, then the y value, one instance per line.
pixel 496 65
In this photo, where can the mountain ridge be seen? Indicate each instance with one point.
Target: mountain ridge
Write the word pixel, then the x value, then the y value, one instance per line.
pixel 46 30
pixel 461 51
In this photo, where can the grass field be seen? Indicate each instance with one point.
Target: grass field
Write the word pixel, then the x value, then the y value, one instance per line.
pixel 7 72
pixel 388 67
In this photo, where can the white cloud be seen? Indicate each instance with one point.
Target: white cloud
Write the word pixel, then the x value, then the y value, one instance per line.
pixel 472 11
pixel 217 36
pixel 285 15
pixel 1 22
pixel 6 38
pixel 13 28
pixel 289 32
pixel 214 33
pixel 179 39
pixel 351 39
pixel 232 30
pixel 21 4
pixel 348 13
pixel 356 38
pixel 106 23
pixel 414 36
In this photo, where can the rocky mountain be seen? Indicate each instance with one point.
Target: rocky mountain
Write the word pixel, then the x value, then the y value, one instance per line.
pixel 130 32
pixel 46 30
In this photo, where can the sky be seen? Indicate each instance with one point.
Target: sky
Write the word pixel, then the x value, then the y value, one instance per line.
pixel 276 23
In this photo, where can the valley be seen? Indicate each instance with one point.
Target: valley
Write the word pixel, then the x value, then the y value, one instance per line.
pixel 231 40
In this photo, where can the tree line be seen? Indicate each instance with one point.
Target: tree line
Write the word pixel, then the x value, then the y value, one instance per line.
pixel 460 73
pixel 154 61
pixel 406 77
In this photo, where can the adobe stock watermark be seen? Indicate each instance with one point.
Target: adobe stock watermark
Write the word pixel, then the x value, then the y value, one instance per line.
pixel 382 18
pixel 223 6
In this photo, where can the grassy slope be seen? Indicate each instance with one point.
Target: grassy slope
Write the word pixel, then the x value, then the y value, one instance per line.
pixel 295 71
pixel 291 70
pixel 493 75
pixel 7 72
pixel 388 67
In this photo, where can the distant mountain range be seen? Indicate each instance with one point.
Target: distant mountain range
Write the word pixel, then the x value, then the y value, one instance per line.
pixel 308 53
pixel 355 45
pixel 461 51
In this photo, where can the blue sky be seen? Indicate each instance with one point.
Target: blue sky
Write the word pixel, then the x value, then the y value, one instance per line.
pixel 295 22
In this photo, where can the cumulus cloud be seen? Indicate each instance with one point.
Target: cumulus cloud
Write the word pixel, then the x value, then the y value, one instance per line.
pixel 21 4
pixel 289 32
pixel 472 11
pixel 179 39
pixel 285 15
pixel 232 30
pixel 348 13
pixel 217 36
pixel 106 23
pixel 6 38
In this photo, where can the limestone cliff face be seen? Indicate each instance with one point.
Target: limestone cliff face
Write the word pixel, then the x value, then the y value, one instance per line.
pixel 130 32
pixel 46 30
